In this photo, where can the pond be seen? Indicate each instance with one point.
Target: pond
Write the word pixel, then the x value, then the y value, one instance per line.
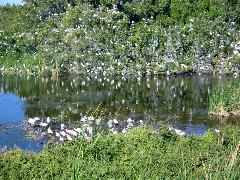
pixel 180 101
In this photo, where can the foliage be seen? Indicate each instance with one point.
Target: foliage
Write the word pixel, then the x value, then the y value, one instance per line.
pixel 119 37
pixel 140 154
pixel 226 99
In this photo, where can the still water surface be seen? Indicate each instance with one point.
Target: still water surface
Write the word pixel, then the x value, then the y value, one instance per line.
pixel 181 101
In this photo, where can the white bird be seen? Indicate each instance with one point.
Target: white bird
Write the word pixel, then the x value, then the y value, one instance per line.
pixel 111 130
pixel 110 124
pixel 62 126
pixel 49 130
pixel 79 130
pixel 85 125
pixel 83 119
pixel 36 118
pixel 63 133
pixel 42 124
pixel 141 122
pixel 171 128
pixel 91 118
pixel 115 132
pixel 130 125
pixel 90 131
pixel 48 120
pixel 217 131
pixel 31 121
pixel 68 131
pixel 180 132
pixel 71 132
pixel 61 138
pixel 115 121
pixel 129 120
pixel 124 130
pixel 69 138
pixel 57 134
pixel 74 133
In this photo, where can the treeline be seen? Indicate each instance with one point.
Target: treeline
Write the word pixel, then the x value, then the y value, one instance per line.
pixel 109 37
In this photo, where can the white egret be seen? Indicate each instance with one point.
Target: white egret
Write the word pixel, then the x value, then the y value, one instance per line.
pixel 74 133
pixel 115 132
pixel 115 121
pixel 61 138
pixel 49 130
pixel 31 121
pixel 124 130
pixel 83 119
pixel 63 133
pixel 57 134
pixel 69 138
pixel 71 132
pixel 42 124
pixel 110 124
pixel 129 120
pixel 91 118
pixel 90 131
pixel 79 130
pixel 48 120
pixel 36 118
pixel 180 132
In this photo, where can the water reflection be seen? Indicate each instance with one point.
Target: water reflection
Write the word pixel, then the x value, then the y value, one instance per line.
pixel 11 116
pixel 182 100
pixel 12 135
pixel 11 108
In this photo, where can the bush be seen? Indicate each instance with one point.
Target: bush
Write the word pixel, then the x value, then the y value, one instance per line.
pixel 139 154
pixel 89 37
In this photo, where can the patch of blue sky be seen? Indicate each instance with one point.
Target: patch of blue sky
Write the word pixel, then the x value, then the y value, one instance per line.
pixel 4 2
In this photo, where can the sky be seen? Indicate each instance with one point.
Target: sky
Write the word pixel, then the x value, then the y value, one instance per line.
pixel 4 2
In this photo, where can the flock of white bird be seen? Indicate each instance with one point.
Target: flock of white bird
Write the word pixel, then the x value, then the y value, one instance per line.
pixel 177 131
pixel 86 131
pixel 63 133
pixel 183 133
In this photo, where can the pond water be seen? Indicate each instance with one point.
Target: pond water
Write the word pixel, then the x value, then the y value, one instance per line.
pixel 181 101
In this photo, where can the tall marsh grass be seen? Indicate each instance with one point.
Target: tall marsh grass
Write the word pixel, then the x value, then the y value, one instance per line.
pixel 226 100
pixel 140 154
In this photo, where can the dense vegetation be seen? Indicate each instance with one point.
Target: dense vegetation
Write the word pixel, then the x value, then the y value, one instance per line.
pixel 106 37
pixel 120 37
pixel 140 154
pixel 225 100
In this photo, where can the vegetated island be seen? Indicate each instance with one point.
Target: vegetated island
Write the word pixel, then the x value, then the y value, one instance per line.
pixel 225 101
pixel 127 38
pixel 120 37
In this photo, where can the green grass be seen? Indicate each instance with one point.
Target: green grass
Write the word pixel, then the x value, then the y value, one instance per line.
pixel 226 100
pixel 140 154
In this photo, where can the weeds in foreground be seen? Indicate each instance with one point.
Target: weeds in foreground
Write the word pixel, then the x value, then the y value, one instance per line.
pixel 139 154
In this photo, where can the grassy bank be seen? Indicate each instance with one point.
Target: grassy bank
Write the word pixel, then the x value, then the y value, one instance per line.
pixel 140 154
pixel 120 37
pixel 225 101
